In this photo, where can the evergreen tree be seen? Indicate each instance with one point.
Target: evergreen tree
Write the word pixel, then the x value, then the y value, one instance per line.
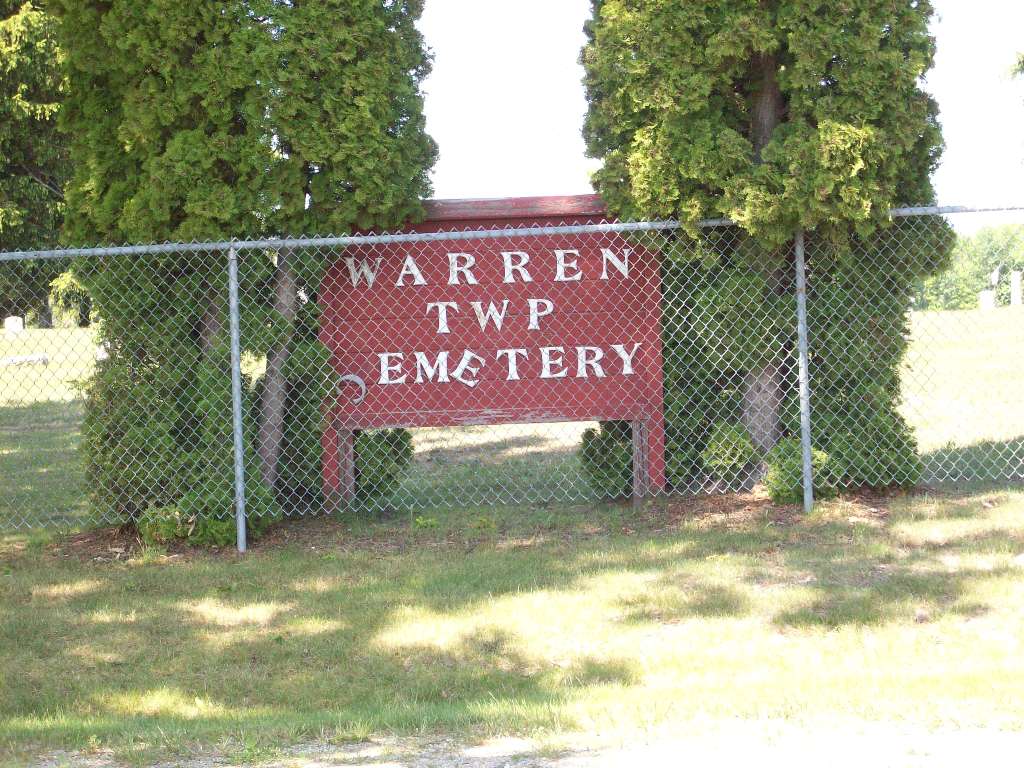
pixel 778 114
pixel 346 110
pixel 168 142
pixel 33 155
pixel 200 121
pixel 775 113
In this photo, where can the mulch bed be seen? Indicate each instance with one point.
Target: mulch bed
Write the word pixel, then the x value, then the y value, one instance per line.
pixel 326 534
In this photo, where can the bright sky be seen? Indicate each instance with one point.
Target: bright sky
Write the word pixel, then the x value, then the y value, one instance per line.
pixel 506 105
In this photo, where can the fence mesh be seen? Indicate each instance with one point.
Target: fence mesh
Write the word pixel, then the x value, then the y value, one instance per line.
pixel 502 368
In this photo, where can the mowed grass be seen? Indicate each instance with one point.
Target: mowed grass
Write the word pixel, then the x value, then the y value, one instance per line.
pixel 605 622
pixel 41 467
pixel 70 358
pixel 41 473
pixel 963 383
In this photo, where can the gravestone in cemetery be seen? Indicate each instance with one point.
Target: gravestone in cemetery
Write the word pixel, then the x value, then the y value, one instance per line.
pixel 14 325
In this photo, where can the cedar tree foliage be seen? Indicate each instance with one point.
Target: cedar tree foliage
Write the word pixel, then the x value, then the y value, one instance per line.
pixel 777 114
pixel 33 154
pixel 207 120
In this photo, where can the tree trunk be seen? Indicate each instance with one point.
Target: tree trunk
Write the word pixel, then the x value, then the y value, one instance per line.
pixel 762 399
pixel 44 315
pixel 272 405
pixel 84 310
pixel 210 324
pixel 767 106
pixel 763 384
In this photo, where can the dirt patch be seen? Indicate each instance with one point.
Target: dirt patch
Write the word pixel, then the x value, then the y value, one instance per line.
pixel 764 743
pixel 734 510
pixel 312 533
pixel 108 544
pixel 325 533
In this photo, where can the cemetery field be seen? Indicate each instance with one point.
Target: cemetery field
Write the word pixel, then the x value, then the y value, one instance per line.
pixel 962 385
pixel 70 355
pixel 40 425
pixel 583 625
pixel 963 379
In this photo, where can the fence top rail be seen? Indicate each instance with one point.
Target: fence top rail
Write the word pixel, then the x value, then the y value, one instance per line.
pixel 420 237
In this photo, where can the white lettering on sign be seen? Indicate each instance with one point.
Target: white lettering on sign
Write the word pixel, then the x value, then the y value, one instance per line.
pixel 409 268
pixel 519 265
pixel 621 265
pixel 627 357
pixel 552 365
pixel 461 264
pixel 536 313
pixel 442 308
pixel 426 371
pixel 589 358
pixel 515 265
pixel 466 367
pixel 550 358
pixel 388 368
pixel 563 264
pixel 363 271
pixel 512 355
pixel 491 315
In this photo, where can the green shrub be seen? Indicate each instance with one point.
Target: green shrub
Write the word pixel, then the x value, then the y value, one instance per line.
pixel 722 317
pixel 382 457
pixel 878 450
pixel 155 440
pixel 729 450
pixel 162 525
pixel 784 480
pixel 607 457
pixel 133 460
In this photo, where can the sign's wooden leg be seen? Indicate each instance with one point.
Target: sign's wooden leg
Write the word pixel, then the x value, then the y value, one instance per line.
pixel 347 465
pixel 641 470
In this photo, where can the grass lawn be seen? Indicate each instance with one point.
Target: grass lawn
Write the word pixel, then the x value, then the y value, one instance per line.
pixel 963 393
pixel 550 623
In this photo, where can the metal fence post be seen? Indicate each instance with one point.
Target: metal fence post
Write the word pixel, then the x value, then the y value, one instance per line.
pixel 805 387
pixel 236 397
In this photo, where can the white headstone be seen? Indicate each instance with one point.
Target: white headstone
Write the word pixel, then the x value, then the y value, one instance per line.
pixel 14 325
pixel 1015 289
pixel 987 299
pixel 40 358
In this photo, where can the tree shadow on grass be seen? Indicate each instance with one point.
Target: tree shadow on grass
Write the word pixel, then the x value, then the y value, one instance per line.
pixel 497 449
pixel 214 648
pixel 975 466
pixel 881 575
pixel 672 601
pixel 288 642
pixel 531 468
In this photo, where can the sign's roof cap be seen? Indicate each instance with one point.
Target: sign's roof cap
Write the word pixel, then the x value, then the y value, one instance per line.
pixel 559 206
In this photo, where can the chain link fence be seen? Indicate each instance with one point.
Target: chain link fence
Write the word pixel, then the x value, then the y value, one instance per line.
pixel 564 362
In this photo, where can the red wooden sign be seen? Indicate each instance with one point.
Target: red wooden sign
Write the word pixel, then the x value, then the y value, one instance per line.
pixel 495 330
